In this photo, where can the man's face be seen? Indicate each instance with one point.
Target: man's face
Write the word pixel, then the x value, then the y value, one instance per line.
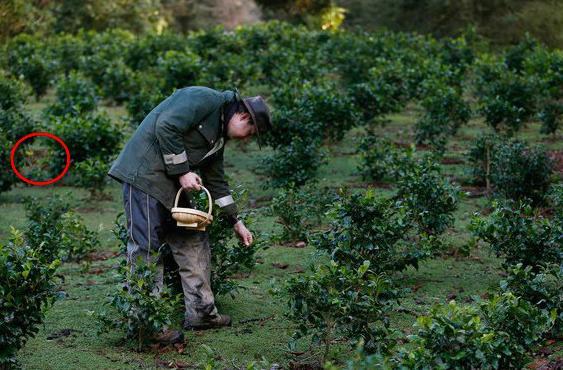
pixel 240 126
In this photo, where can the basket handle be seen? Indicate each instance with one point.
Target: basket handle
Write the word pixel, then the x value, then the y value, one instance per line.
pixel 210 202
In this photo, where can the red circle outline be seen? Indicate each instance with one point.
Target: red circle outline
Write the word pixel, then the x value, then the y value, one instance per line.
pixel 39 183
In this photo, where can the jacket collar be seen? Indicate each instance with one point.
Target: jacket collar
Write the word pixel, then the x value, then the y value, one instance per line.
pixel 209 129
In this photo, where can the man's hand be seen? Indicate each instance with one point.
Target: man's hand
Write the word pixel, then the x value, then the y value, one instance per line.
pixel 190 181
pixel 244 235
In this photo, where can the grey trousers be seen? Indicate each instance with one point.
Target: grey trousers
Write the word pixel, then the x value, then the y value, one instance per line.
pixel 149 226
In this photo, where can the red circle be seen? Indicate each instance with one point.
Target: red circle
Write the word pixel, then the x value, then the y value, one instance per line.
pixel 40 183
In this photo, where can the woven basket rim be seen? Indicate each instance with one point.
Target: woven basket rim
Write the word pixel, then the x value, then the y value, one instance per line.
pixel 191 211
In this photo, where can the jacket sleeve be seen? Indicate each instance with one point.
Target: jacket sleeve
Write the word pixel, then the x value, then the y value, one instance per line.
pixel 213 177
pixel 185 110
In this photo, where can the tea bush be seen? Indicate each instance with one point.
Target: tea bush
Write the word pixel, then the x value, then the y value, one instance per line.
pixel 324 102
pixel 385 91
pixel 444 112
pixel 507 99
pixel 550 117
pixel 377 155
pixel 296 163
pixel 75 94
pixel 28 58
pixel 15 120
pixel 519 172
pixel 428 198
pixel 543 289
pixel 555 200
pixel 138 307
pixel 298 210
pixel 146 93
pixel 98 137
pixel 230 256
pixel 524 323
pixel 367 228
pixel 13 92
pixel 91 174
pixel 179 68
pixel 142 52
pixel 7 178
pixel 494 335
pixel 511 168
pixel 56 231
pixel 27 289
pixel 518 235
pixel 337 300
pixel 481 155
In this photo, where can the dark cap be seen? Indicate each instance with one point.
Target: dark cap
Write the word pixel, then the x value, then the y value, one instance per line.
pixel 260 114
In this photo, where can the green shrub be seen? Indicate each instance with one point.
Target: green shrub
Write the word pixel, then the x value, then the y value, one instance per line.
pixel 13 92
pixel 386 90
pixel 230 256
pixel 179 68
pixel 555 200
pixel 146 93
pixel 444 112
pixel 376 157
pixel 324 102
pixel 76 241
pixel 15 121
pixel 336 300
pixel 365 227
pixel 543 289
pixel 67 50
pixel 428 197
pixel 514 232
pixel 296 163
pixel 7 178
pixel 27 289
pixel 56 231
pixel 138 307
pixel 76 95
pixel 142 51
pixel 507 99
pixel 298 210
pixel 381 160
pixel 523 322
pixel 480 155
pixel 27 58
pixel 550 117
pixel 458 337
pixel 98 137
pixel 91 174
pixel 519 172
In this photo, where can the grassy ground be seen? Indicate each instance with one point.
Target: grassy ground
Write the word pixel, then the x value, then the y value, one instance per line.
pixel 259 328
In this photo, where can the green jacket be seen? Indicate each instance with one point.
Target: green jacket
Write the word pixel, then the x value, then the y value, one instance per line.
pixel 182 134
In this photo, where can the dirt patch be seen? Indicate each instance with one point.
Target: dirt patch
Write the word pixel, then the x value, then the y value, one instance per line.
pixel 449 160
pixel 475 191
pixel 101 255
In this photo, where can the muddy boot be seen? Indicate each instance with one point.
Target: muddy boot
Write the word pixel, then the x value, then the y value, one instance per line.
pixel 167 336
pixel 218 321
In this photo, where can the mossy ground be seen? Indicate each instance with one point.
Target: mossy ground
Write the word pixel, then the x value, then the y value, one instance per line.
pixel 259 329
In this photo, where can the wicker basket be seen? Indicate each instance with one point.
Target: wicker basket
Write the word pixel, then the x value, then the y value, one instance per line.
pixel 192 218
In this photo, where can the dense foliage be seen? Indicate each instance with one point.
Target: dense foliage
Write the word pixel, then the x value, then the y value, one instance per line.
pixel 337 300
pixel 27 288
pixel 511 168
pixel 138 306
pixel 56 231
pixel 519 235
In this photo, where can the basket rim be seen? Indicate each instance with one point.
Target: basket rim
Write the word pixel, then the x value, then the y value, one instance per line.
pixel 192 211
